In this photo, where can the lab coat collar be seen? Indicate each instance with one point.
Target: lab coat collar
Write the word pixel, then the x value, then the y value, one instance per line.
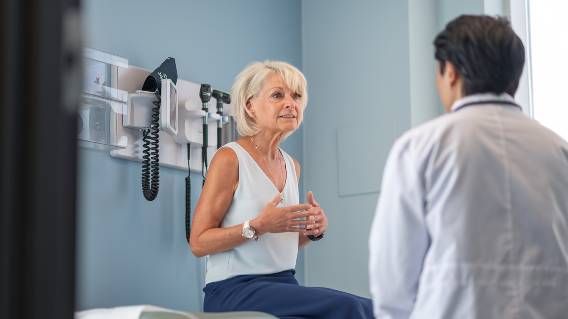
pixel 485 98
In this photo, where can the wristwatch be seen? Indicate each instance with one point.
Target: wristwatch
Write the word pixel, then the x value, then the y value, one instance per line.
pixel 248 231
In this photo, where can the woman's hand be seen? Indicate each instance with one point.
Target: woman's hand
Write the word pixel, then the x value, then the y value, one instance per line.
pixel 319 218
pixel 273 219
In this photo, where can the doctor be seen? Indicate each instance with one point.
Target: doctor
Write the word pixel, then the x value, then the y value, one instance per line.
pixel 471 220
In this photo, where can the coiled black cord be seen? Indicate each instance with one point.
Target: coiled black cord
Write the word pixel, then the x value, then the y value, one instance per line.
pixel 204 167
pixel 151 153
pixel 188 195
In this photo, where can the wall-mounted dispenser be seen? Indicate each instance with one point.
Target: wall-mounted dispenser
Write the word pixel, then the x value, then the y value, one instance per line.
pixel 102 102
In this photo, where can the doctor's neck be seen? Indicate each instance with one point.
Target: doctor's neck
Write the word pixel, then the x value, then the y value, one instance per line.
pixel 455 96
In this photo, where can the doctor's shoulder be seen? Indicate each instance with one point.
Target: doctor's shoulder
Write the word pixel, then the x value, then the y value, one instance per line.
pixel 427 134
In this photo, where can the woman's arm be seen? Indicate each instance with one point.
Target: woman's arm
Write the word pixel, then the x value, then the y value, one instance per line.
pixel 304 240
pixel 321 218
pixel 206 235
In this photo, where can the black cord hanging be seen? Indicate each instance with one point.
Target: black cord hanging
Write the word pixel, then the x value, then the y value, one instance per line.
pixel 151 155
pixel 188 195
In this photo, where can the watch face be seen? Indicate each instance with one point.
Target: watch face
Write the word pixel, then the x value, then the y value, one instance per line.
pixel 248 233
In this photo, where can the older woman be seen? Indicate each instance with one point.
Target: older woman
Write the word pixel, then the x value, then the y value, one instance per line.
pixel 248 219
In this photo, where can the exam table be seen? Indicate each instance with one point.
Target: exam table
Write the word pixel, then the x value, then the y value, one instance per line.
pixel 153 312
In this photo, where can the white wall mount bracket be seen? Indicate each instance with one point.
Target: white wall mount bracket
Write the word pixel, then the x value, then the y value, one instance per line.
pixel 173 148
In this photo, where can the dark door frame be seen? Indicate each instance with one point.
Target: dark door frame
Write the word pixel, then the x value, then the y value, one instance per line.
pixel 40 57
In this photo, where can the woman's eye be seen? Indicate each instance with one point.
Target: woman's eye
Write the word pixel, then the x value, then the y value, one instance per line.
pixel 297 96
pixel 276 95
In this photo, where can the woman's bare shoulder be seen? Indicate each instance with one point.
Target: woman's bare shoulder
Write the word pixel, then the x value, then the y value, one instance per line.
pixel 225 159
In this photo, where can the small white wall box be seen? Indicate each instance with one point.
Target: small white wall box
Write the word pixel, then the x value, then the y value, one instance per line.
pixel 169 107
pixel 141 103
pixel 139 111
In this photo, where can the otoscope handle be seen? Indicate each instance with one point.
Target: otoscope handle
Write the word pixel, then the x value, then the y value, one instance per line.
pixel 205 135
pixel 219 136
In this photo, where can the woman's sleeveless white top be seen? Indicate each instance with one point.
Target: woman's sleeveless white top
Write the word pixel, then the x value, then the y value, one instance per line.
pixel 272 252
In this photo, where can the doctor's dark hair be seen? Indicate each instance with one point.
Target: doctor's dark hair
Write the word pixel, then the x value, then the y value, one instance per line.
pixel 485 51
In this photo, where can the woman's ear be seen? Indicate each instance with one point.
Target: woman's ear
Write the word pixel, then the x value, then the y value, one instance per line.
pixel 249 108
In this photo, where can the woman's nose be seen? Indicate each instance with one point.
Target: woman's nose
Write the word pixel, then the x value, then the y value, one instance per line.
pixel 289 102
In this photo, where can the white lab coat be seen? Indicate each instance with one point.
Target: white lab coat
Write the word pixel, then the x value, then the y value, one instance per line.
pixel 472 218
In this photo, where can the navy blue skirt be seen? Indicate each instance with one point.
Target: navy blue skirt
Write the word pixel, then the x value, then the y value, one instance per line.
pixel 280 295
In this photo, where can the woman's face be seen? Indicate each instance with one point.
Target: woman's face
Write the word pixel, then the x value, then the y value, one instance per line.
pixel 276 108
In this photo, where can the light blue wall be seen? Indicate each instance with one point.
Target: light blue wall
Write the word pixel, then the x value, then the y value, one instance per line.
pixel 450 9
pixel 131 251
pixel 497 7
pixel 355 56
pixel 422 22
pixel 370 66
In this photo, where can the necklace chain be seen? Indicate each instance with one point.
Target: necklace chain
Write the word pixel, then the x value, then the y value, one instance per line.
pixel 282 167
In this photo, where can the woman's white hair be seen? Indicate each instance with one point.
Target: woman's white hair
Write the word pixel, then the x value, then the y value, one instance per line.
pixel 251 80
